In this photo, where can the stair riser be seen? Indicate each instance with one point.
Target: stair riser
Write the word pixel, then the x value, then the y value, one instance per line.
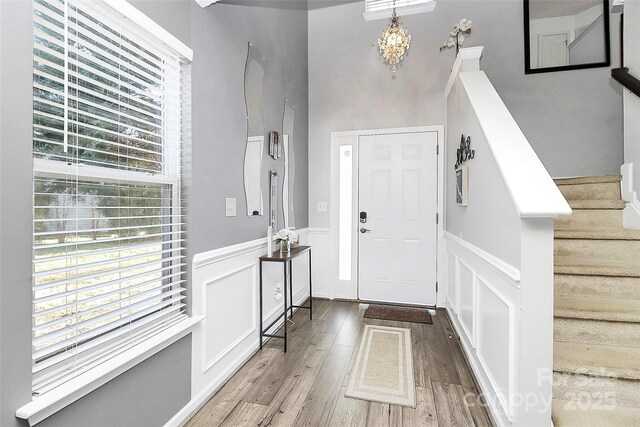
pixel 597 286
pixel 590 218
pixel 599 191
pixel 599 249
pixel 596 390
pixel 596 332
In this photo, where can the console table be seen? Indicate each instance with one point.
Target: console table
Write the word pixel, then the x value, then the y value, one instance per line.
pixel 285 258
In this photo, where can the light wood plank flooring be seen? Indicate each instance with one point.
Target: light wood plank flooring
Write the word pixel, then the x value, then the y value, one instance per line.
pixel 306 386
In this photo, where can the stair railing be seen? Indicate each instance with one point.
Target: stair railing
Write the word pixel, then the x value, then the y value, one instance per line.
pixel 626 79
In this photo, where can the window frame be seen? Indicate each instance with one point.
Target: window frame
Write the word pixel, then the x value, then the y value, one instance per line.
pixel 171 171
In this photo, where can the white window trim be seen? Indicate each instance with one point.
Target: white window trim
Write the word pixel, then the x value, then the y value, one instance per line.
pixel 401 11
pixel 41 407
pixel 129 12
pixel 48 404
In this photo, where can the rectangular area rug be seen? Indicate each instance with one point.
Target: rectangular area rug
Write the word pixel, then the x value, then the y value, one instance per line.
pixel 383 368
pixel 399 314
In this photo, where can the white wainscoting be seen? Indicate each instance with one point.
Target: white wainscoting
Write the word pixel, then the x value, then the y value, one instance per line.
pixel 225 290
pixel 324 262
pixel 483 303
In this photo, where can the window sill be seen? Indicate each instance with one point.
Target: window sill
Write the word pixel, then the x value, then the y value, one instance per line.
pixel 51 402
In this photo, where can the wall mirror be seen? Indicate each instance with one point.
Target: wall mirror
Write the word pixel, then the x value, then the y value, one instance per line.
pixel 565 35
pixel 288 119
pixel 253 77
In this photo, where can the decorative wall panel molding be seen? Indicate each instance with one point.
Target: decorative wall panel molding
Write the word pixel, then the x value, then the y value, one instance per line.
pixel 225 290
pixel 482 303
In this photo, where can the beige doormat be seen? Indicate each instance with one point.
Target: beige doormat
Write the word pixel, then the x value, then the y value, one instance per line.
pixel 383 367
pixel 398 313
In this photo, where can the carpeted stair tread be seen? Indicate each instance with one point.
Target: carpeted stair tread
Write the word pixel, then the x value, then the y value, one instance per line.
pixel 588 180
pixel 614 310
pixel 597 204
pixel 595 267
pixel 596 332
pixel 570 414
pixel 597 360
pixel 597 286
pixel 597 233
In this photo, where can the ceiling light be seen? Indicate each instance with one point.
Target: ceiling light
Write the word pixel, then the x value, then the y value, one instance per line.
pixel 394 42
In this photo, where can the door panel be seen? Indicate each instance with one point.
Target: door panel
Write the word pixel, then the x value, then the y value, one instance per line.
pixel 398 190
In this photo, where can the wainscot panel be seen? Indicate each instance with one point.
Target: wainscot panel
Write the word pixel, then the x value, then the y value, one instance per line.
pixel 487 291
pixel 225 290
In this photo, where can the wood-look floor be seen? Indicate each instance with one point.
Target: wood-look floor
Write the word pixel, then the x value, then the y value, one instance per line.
pixel 305 386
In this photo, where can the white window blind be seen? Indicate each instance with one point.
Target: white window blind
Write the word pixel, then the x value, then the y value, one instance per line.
pixel 108 234
pixel 382 9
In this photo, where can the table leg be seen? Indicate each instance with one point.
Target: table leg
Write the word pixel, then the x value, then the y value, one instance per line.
pixel 310 290
pixel 291 286
pixel 261 305
pixel 285 307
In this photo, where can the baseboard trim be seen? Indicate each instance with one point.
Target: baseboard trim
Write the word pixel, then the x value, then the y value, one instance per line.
pixel 199 401
pixel 631 212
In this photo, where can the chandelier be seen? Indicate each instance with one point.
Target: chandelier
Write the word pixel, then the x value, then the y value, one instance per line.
pixel 394 42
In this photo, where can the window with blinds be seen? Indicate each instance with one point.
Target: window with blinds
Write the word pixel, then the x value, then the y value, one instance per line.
pixel 108 233
pixel 381 9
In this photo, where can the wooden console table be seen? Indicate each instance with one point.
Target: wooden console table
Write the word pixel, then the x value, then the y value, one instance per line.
pixel 285 258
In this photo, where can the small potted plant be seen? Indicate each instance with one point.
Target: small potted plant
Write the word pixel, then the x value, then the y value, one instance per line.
pixel 286 238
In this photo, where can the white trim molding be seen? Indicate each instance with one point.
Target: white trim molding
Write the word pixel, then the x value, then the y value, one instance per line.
pixel 412 9
pixel 42 407
pixel 130 13
pixel 631 212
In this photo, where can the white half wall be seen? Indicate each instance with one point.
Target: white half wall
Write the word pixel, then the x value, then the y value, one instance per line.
pixel 483 304
pixel 499 251
pixel 226 291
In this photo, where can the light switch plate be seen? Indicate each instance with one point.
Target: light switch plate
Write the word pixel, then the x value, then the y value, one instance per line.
pixel 322 206
pixel 231 206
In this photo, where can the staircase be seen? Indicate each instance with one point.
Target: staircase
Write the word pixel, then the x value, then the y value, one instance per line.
pixel 597 308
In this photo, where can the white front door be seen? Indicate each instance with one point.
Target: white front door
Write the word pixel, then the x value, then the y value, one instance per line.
pixel 398 187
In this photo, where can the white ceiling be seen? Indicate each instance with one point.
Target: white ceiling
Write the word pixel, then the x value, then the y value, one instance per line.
pixel 551 8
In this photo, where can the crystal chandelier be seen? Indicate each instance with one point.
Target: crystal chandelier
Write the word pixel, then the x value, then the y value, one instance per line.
pixel 394 42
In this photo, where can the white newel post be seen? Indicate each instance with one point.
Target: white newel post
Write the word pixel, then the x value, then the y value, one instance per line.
pixel 535 326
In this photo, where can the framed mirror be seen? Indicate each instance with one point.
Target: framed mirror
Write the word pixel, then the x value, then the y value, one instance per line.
pixel 565 35
pixel 288 120
pixel 253 78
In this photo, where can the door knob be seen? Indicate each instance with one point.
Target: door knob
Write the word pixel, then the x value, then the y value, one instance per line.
pixel 364 230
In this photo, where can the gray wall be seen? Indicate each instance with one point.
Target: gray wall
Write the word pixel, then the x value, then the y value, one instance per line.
pixel 153 391
pixel 143 396
pixel 572 119
pixel 15 207
pixel 490 221
pixel 219 115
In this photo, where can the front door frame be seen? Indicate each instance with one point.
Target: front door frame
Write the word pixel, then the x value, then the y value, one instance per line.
pixel 347 288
